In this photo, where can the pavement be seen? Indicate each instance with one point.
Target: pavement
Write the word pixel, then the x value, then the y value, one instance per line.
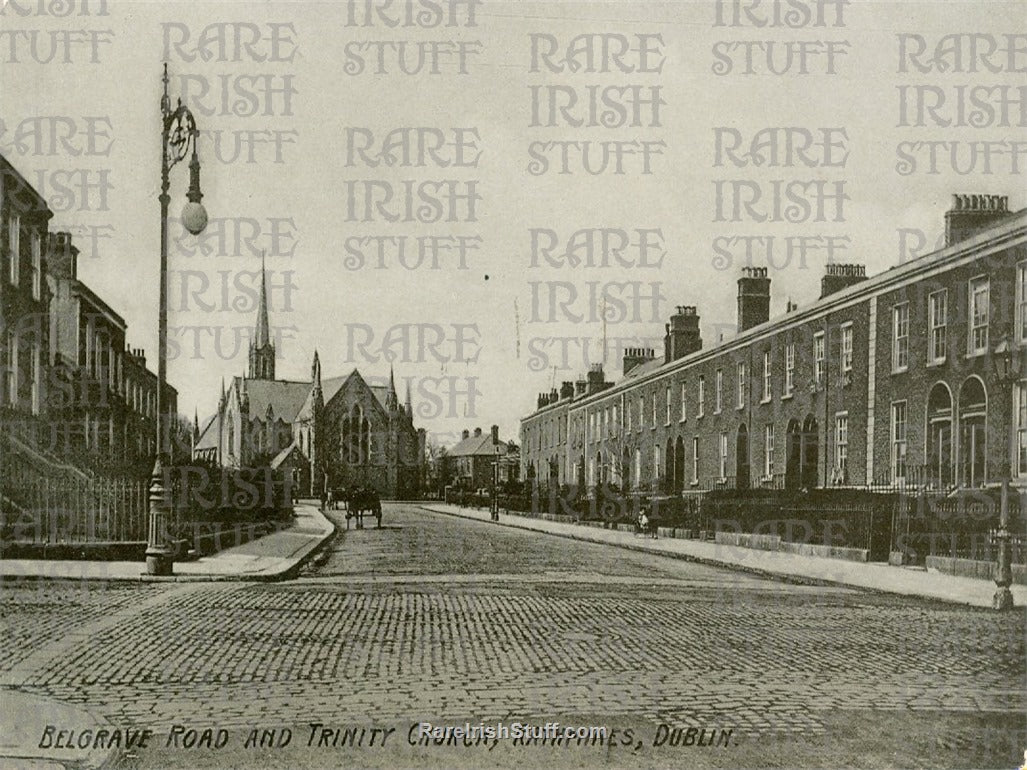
pixel 31 739
pixel 450 619
pixel 276 556
pixel 871 576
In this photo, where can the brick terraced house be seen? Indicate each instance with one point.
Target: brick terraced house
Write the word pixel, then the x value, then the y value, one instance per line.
pixel 884 380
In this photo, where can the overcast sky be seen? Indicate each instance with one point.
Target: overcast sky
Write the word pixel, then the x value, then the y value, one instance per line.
pixel 490 302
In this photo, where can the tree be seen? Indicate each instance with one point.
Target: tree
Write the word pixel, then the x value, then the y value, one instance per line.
pixel 436 466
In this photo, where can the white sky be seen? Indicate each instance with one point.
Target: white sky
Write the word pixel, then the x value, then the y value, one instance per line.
pixel 493 98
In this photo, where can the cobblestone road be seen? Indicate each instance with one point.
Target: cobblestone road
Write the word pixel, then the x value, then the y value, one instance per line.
pixel 442 618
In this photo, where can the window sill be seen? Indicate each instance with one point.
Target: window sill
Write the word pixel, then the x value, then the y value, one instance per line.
pixel 937 363
pixel 903 370
pixel 787 397
pixel 766 400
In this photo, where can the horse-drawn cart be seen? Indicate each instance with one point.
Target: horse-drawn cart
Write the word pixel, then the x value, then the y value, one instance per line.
pixel 359 502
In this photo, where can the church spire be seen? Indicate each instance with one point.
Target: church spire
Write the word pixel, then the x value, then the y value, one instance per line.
pixel 315 371
pixel 262 334
pixel 410 403
pixel 262 352
pixel 392 398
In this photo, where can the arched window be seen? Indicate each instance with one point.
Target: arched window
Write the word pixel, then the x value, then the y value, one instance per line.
pixel 971 452
pixel 940 460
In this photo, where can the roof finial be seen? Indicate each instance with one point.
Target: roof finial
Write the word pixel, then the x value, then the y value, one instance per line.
pixel 315 371
pixel 165 100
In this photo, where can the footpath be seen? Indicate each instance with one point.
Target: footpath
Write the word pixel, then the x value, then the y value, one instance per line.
pixel 38 733
pixel 871 576
pixel 276 556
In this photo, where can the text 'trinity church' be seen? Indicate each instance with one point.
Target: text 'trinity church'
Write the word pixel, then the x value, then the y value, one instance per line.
pixel 334 432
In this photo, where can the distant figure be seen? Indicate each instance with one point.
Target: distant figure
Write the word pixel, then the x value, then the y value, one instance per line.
pixel 643 523
pixel 331 499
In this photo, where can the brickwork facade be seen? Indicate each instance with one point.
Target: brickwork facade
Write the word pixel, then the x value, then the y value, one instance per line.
pixel 887 380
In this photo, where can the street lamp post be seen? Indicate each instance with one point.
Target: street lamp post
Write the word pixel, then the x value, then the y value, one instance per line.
pixel 179 134
pixel 1006 359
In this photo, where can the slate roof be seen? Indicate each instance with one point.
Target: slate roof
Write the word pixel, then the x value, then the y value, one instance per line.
pixel 282 456
pixel 284 396
pixel 477 445
pixel 208 438
pixel 641 369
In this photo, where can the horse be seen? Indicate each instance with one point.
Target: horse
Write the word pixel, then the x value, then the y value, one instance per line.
pixel 360 501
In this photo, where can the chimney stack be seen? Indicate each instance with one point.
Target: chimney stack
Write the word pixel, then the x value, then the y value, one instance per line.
pixel 682 337
pixel 495 435
pixel 753 298
pixel 635 356
pixel 596 379
pixel 61 256
pixel 567 390
pixel 972 213
pixel 838 277
pixel 477 432
pixel 466 434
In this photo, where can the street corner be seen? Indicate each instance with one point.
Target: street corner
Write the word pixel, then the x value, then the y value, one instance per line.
pixel 39 732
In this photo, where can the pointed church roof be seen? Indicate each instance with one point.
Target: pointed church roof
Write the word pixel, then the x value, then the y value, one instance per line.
pixel 262 332
pixel 331 386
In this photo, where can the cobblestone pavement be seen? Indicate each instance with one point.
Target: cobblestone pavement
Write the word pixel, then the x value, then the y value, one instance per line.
pixel 435 617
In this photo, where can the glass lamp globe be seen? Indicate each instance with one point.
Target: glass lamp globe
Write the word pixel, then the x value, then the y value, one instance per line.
pixel 194 217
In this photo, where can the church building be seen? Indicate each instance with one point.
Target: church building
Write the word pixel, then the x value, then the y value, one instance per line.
pixel 325 433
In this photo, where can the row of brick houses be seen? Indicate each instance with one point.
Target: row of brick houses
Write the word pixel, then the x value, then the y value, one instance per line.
pixel 72 389
pixel 882 380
